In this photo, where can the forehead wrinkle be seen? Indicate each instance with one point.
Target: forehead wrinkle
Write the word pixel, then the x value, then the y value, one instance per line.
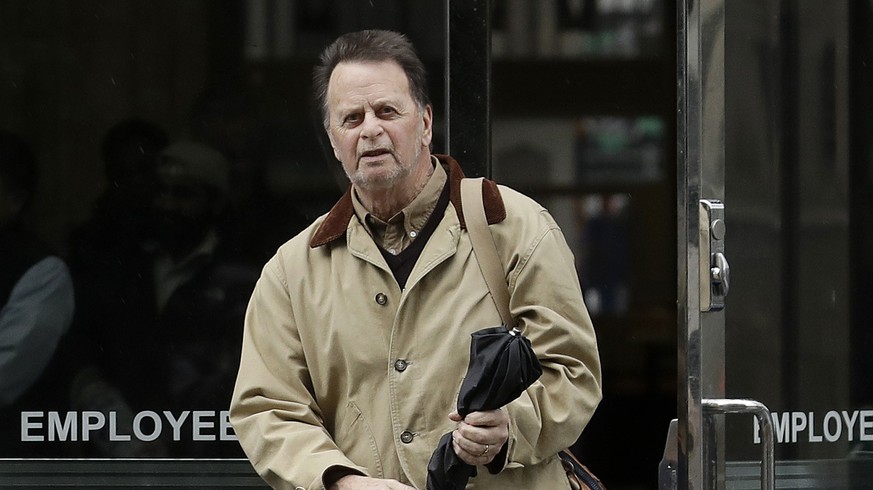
pixel 357 99
pixel 384 88
pixel 361 102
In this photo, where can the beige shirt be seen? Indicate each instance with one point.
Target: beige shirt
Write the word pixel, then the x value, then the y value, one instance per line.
pixel 401 229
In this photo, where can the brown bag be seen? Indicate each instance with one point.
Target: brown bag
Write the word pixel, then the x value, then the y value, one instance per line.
pixel 580 477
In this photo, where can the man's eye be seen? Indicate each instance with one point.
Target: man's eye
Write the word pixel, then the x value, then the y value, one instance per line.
pixel 351 119
pixel 388 110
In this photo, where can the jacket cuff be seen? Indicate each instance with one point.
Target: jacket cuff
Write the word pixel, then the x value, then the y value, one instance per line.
pixel 499 462
pixel 333 473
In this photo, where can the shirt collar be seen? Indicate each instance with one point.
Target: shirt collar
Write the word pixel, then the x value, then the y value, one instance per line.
pixel 335 223
pixel 403 227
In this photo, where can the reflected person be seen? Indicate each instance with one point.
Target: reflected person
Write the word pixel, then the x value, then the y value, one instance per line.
pixel 357 335
pixel 258 219
pixel 36 291
pixel 163 319
pixel 120 217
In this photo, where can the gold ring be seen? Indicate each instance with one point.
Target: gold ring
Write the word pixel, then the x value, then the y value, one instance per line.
pixel 487 447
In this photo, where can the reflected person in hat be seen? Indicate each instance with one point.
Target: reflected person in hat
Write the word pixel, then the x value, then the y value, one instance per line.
pixel 193 180
pixel 164 321
pixel 120 217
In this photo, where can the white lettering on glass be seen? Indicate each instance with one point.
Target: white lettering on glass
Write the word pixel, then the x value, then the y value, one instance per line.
pixel 113 429
pixel 227 433
pixel 92 421
pixel 137 426
pixel 176 423
pixel 64 429
pixel 200 424
pixel 850 423
pixel 866 424
pixel 831 426
pixel 146 426
pixel 27 426
pixel 829 418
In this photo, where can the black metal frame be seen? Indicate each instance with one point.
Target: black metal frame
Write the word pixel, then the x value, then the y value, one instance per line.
pixel 468 85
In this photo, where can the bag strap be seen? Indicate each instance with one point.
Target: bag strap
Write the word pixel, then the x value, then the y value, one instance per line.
pixel 486 254
pixel 484 247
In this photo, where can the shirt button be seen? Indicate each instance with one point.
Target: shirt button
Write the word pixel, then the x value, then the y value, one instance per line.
pixel 406 437
pixel 381 299
pixel 413 234
pixel 401 365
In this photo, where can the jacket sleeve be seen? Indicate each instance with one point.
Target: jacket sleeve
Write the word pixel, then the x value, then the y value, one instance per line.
pixel 32 321
pixel 546 299
pixel 273 410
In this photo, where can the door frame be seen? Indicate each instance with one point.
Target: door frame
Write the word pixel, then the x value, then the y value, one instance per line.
pixel 700 175
pixel 702 217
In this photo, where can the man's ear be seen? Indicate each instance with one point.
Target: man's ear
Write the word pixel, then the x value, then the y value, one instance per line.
pixel 427 126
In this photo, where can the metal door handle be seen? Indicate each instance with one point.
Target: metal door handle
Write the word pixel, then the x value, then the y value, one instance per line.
pixel 720 273
pixel 714 268
pixel 716 406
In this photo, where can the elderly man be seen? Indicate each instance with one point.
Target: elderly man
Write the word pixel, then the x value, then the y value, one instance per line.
pixel 357 334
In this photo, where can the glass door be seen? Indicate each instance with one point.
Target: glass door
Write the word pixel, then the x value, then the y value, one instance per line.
pixel 774 184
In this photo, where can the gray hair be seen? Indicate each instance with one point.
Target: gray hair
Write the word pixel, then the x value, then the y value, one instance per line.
pixel 371 46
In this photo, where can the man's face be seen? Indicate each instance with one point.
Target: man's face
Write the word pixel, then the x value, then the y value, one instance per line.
pixel 375 127
pixel 184 210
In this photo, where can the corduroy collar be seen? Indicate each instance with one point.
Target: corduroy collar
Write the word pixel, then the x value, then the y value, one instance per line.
pixel 337 221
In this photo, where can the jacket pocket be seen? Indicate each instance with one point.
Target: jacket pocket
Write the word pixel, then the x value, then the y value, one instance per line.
pixel 355 439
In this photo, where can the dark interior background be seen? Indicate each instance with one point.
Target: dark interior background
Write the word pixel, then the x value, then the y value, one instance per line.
pixel 236 75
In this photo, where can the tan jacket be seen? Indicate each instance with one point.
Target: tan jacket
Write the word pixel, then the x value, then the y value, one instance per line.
pixel 341 367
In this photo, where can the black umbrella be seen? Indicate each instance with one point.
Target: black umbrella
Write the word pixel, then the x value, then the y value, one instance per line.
pixel 502 365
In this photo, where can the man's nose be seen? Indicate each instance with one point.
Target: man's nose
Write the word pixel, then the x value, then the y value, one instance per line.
pixel 371 127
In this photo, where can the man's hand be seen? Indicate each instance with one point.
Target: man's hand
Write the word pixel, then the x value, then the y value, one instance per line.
pixel 480 436
pixel 358 482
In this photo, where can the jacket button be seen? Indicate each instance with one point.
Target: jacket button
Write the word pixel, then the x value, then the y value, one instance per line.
pixel 381 299
pixel 406 437
pixel 400 365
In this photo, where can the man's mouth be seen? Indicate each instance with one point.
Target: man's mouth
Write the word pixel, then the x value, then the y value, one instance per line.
pixel 374 154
